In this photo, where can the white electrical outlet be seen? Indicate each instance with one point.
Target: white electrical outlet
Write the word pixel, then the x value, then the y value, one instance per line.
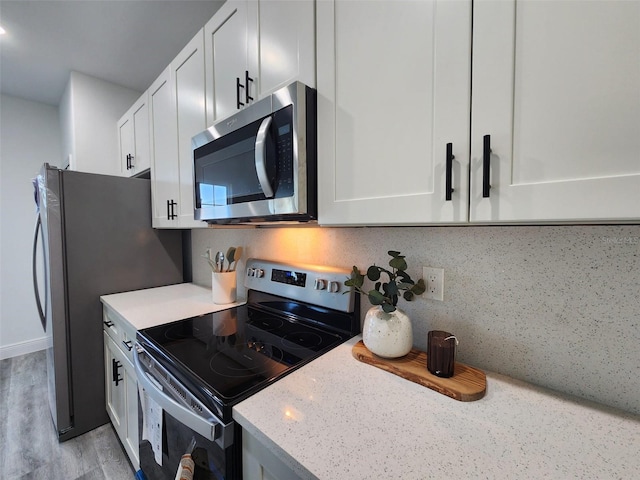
pixel 434 280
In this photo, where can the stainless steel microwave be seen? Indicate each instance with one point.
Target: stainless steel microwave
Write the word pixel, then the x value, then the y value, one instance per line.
pixel 259 165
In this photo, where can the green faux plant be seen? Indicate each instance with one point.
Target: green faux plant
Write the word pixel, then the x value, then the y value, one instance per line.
pixel 386 294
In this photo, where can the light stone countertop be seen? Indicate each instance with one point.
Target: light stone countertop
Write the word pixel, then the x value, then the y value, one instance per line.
pixel 160 305
pixel 337 418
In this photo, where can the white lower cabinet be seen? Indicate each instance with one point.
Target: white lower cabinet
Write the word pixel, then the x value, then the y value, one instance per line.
pixel 259 463
pixel 121 385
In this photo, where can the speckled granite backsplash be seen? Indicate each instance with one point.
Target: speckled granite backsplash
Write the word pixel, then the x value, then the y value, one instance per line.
pixel 557 306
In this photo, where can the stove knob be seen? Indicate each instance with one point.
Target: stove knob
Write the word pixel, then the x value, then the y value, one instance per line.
pixel 334 287
pixel 319 284
pixel 251 272
pixel 259 273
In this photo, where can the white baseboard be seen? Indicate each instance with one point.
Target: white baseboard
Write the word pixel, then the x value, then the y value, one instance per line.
pixel 22 348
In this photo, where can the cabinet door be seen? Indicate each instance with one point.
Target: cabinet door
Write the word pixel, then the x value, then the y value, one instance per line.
pixel 556 86
pixel 141 160
pixel 226 46
pixel 164 149
pixel 127 144
pixel 187 71
pixel 285 47
pixel 133 134
pixel 130 440
pixel 122 399
pixel 259 463
pixel 393 91
pixel 115 395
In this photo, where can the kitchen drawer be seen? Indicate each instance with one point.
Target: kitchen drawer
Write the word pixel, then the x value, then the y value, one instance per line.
pixel 120 331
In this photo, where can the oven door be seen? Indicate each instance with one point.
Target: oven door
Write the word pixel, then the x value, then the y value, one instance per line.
pixel 170 419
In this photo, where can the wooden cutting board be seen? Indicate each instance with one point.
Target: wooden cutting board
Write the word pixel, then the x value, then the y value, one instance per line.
pixel 466 385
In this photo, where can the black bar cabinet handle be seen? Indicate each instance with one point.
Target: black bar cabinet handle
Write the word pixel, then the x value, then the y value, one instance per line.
pixel 128 344
pixel 171 207
pixel 129 161
pixel 108 323
pixel 238 87
pixel 115 377
pixel 449 167
pixel 247 79
pixel 168 210
pixel 486 166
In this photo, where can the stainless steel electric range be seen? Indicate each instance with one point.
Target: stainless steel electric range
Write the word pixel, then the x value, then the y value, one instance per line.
pixel 195 370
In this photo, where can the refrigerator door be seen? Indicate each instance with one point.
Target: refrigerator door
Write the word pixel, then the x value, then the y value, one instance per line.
pixel 58 359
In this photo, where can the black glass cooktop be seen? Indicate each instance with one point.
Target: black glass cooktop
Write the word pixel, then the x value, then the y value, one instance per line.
pixel 233 353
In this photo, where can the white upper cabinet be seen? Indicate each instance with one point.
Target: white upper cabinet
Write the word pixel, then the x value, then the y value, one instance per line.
pixel 252 48
pixel 164 148
pixel 556 87
pixel 188 78
pixel 554 116
pixel 286 49
pixel 393 92
pixel 226 60
pixel 133 136
pixel 126 145
pixel 177 114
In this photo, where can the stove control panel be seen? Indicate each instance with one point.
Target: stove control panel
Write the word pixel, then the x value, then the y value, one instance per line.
pixel 308 283
pixel 289 277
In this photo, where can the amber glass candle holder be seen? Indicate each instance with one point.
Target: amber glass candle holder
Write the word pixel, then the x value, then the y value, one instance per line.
pixel 441 353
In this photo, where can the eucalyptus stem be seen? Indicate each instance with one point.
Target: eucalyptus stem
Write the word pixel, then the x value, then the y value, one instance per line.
pixel 387 294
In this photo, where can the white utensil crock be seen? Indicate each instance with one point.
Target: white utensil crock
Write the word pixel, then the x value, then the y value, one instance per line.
pixel 223 287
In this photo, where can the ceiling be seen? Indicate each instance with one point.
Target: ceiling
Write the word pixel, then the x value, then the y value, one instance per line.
pixel 128 42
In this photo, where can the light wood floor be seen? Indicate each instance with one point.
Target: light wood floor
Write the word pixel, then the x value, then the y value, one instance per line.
pixel 29 448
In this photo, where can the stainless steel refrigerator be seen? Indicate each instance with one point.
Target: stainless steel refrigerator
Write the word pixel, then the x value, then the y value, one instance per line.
pixel 94 236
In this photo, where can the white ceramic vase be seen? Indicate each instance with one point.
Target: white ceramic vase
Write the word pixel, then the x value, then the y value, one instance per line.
pixel 388 335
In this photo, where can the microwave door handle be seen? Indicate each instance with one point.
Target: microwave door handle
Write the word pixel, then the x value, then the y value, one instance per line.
pixel 261 157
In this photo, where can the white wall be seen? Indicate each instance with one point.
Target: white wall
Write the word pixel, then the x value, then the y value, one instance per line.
pixel 557 306
pixel 33 133
pixel 89 111
pixel 29 137
pixel 65 115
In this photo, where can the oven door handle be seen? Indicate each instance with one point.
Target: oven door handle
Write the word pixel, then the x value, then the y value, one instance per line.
pixel 211 430
pixel 261 157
